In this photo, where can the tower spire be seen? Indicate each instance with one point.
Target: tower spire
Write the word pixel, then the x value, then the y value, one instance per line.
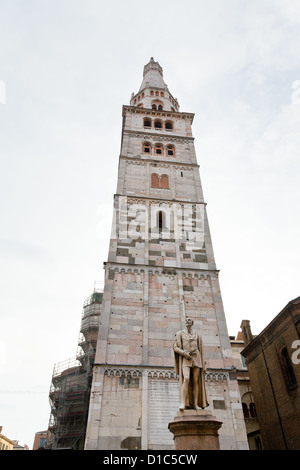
pixel 154 92
pixel 153 75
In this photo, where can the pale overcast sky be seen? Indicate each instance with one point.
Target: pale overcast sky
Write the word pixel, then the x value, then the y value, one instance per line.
pixel 66 69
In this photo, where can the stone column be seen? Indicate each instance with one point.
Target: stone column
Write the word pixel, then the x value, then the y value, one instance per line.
pixel 195 430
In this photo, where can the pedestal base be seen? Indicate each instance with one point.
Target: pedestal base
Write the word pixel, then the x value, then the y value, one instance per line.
pixel 195 430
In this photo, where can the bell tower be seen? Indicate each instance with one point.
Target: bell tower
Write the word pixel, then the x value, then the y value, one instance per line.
pixel 160 269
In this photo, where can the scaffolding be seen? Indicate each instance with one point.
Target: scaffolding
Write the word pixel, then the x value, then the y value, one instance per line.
pixel 71 383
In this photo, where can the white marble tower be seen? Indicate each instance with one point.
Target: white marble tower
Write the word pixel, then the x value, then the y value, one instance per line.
pixel 160 269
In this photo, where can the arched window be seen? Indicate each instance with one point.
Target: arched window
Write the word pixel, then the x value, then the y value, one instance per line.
pixel 158 149
pixel 147 122
pixel 171 150
pixel 245 410
pixel 158 124
pixel 160 220
pixel 169 125
pixel 164 182
pixel 161 182
pixel 252 410
pixel 151 92
pixel 147 147
pixel 288 371
pixel 154 180
pixel 157 104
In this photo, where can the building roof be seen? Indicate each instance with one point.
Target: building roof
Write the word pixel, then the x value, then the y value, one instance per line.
pixel 270 325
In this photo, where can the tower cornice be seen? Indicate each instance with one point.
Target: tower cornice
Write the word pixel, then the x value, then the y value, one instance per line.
pixel 157 134
pixel 154 112
pixel 161 269
pixel 159 162
pixel 156 200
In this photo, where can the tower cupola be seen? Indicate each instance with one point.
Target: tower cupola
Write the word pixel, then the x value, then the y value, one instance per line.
pixel 153 92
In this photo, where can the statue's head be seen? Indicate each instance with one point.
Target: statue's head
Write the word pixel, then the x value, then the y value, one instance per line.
pixel 189 322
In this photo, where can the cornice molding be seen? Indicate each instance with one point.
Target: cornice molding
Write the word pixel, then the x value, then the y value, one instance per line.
pixel 158 136
pixel 158 200
pixel 155 112
pixel 152 372
pixel 193 273
pixel 159 163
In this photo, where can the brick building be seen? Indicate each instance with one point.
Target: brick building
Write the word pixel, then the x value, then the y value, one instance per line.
pixel 273 362
pixel 246 393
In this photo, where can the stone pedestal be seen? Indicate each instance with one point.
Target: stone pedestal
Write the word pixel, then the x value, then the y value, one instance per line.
pixel 195 430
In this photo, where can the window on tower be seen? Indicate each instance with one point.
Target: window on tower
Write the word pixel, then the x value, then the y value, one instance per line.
pixel 158 124
pixel 147 122
pixel 161 182
pixel 154 180
pixel 160 220
pixel 147 147
pixel 169 125
pixel 164 182
pixel 158 150
pixel 171 150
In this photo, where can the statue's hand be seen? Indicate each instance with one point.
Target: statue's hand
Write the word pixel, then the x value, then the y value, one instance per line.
pixel 187 355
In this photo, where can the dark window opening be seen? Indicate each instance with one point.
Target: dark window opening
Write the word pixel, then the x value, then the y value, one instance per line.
pixel 245 410
pixel 147 148
pixel 289 373
pixel 252 410
pixel 160 220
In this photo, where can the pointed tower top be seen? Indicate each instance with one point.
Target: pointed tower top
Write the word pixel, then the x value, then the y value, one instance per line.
pixel 153 75
pixel 153 92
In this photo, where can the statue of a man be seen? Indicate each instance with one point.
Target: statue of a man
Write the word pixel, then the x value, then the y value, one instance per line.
pixel 190 366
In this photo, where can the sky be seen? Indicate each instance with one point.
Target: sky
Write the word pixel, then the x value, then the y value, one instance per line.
pixel 66 69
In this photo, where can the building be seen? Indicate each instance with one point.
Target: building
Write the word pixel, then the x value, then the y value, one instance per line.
pixel 247 397
pixel 39 440
pixel 273 362
pixel 71 383
pixel 18 446
pixel 5 443
pixel 160 269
